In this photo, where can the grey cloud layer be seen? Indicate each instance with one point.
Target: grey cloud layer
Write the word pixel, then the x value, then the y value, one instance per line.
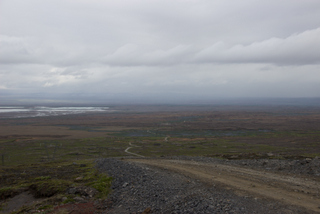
pixel 296 49
pixel 211 48
pixel 300 49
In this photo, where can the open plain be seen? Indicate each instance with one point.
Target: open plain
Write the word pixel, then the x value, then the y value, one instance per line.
pixel 253 156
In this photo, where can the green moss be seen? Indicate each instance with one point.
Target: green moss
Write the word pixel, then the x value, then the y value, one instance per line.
pixel 101 183
pixel 5 192
pixel 311 155
pixel 42 178
pixel 49 188
pixel 69 200
pixel 5 189
pixel 44 207
pixel 10 191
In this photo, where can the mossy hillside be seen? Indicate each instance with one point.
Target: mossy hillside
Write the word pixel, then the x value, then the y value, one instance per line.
pixel 51 180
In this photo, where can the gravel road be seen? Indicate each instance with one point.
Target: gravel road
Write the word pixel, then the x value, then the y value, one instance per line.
pixel 142 186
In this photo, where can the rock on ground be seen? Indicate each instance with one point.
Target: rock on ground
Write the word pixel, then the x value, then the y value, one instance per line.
pixel 138 188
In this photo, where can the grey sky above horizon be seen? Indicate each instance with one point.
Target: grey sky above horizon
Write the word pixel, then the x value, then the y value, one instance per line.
pixel 159 49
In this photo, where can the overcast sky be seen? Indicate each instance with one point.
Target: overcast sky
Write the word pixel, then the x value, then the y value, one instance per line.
pixel 159 50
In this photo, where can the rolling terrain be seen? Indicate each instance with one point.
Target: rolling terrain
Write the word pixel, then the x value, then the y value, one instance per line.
pixel 259 155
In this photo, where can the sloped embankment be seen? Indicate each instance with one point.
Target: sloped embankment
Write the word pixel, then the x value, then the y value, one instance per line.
pixel 182 185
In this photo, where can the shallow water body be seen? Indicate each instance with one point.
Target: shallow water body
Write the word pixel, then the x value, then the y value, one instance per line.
pixel 42 111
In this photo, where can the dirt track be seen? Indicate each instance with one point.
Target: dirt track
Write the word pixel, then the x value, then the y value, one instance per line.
pixel 291 190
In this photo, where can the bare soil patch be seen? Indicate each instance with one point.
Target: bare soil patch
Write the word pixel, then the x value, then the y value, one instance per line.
pixel 15 203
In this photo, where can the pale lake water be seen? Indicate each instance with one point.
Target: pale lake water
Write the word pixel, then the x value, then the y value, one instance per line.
pixel 42 111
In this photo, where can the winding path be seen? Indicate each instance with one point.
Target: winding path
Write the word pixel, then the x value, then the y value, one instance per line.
pixel 131 153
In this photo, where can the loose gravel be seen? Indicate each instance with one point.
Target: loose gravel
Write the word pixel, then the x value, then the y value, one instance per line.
pixel 304 166
pixel 139 188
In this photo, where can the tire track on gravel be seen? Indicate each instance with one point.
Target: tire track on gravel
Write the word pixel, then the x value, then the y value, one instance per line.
pixel 285 189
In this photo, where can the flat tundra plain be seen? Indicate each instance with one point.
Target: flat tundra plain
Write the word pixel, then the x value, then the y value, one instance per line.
pixel 267 155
